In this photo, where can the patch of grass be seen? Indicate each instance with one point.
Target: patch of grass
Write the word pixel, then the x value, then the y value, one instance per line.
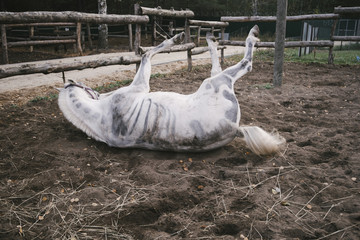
pixel 353 46
pixel 264 86
pixel 49 97
pixel 157 75
pixel 319 56
pixel 113 85
pixel 264 55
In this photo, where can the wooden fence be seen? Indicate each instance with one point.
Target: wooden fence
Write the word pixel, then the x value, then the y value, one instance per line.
pixel 8 19
pixel 57 19
pixel 157 13
pixel 188 24
pixel 32 39
pixel 339 12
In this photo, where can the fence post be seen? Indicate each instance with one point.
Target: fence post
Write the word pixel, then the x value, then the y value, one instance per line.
pixel 88 29
pixel 198 36
pixel 31 34
pixel 137 34
pixel 331 55
pixel 4 44
pixel 187 40
pixel 154 31
pixel 222 49
pixel 187 31
pixel 103 28
pixel 78 38
pixel 280 41
pixel 189 59
pixel 130 37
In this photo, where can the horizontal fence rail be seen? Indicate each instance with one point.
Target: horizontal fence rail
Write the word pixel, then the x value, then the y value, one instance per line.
pixel 273 18
pixel 55 66
pixel 208 23
pixel 166 13
pixel 287 44
pixel 347 10
pixel 36 17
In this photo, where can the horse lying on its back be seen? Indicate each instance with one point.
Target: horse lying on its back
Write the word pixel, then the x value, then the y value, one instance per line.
pixel 134 117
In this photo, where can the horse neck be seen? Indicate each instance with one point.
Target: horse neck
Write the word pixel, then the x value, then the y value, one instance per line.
pixel 85 113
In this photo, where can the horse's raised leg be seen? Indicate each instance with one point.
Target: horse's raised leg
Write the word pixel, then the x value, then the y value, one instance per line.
pixel 216 68
pixel 142 77
pixel 257 139
pixel 245 65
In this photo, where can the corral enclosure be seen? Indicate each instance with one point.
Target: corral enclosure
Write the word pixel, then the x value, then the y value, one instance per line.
pixel 57 183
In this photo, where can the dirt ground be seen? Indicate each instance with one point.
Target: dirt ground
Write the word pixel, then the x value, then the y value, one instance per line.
pixel 56 183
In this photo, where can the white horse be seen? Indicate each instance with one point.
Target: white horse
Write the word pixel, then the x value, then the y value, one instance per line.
pixel 132 116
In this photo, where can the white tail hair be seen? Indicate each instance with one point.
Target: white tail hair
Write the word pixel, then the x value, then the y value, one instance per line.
pixel 261 142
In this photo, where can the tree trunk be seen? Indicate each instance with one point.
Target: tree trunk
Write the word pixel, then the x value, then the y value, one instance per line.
pixel 103 28
pixel 280 41
pixel 4 44
pixel 255 7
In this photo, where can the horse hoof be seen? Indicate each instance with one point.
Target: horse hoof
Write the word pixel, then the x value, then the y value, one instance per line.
pixel 255 31
pixel 179 38
pixel 210 36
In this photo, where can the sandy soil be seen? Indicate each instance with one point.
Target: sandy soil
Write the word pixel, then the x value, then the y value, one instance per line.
pixel 55 183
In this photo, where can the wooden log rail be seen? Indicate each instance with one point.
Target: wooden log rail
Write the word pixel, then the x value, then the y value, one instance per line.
pixel 273 18
pixel 70 16
pixel 48 24
pixel 201 50
pixel 345 38
pixel 39 42
pixel 348 11
pixel 176 48
pixel 208 23
pixel 42 38
pixel 54 66
pixel 166 13
pixel 291 44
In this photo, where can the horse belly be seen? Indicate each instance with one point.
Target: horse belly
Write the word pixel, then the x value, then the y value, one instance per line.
pixel 171 124
pixel 184 130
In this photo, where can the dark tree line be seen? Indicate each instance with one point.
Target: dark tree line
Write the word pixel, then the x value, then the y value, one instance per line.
pixel 202 8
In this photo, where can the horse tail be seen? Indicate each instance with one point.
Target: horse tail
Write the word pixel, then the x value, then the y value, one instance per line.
pixel 261 142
